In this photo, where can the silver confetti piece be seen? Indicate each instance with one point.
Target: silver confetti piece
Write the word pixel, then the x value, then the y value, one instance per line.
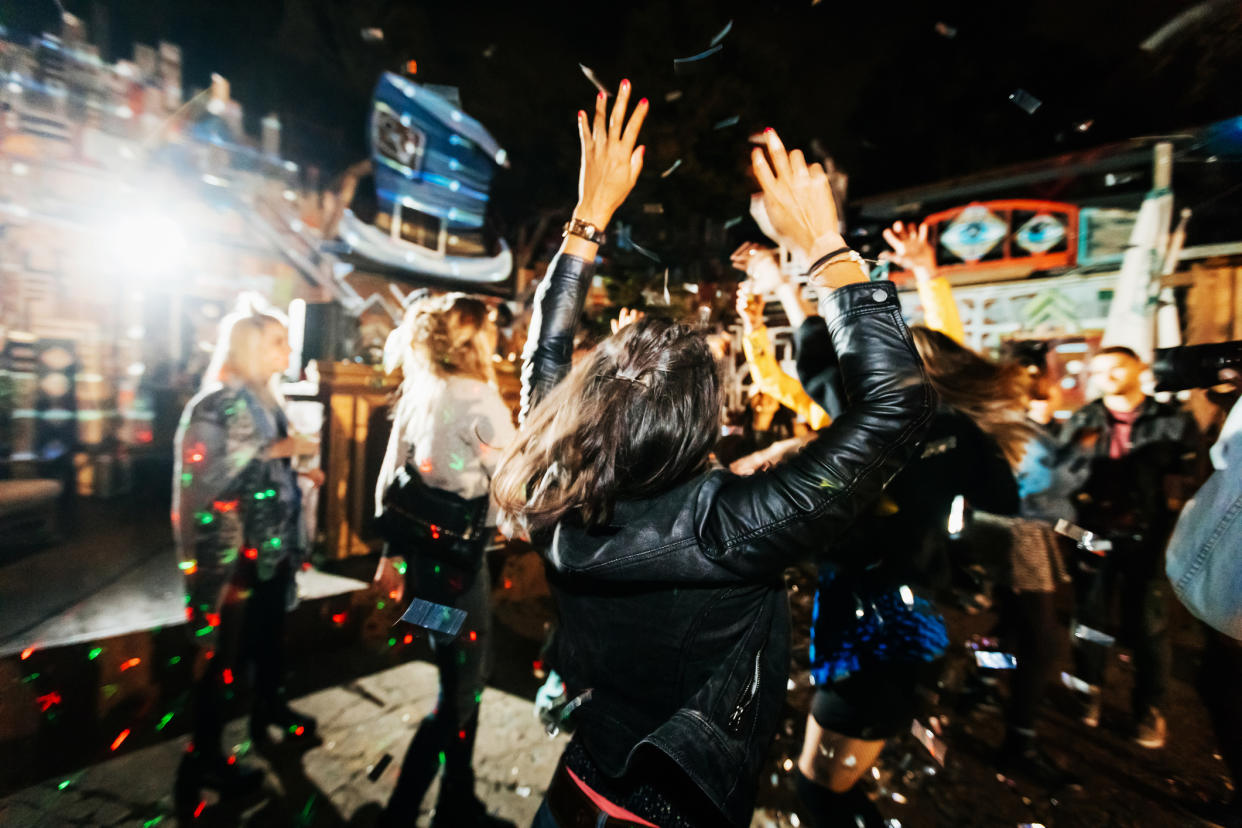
pixel 706 53
pixel 670 170
pixel 722 34
pixel 434 617
pixel 590 75
pixel 1027 102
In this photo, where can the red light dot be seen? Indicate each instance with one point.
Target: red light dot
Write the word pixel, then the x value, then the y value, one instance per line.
pixel 199 810
pixel 210 655
pixel 300 730
pixel 508 584
pixel 425 466
pixel 394 595
pixel 213 619
pixel 435 532
pixel 461 734
pixel 408 638
pixel 26 653
pixel 189 613
pixel 339 618
pixel 133 662
pixel 474 636
pixel 251 553
pixel 191 568
pixel 232 760
pixel 227 675
pixel 121 737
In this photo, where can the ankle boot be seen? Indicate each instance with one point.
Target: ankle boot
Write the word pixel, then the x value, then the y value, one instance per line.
pixel 418 769
pixel 458 807
pixel 212 771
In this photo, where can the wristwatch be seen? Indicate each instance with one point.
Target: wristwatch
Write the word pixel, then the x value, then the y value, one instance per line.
pixel 583 230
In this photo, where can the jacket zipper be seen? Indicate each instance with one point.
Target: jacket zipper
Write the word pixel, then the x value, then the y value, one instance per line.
pixel 749 693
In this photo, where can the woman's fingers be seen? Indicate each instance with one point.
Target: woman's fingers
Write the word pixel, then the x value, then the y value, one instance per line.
pixel 584 131
pixel 797 163
pixel 763 173
pixel 923 232
pixel 618 112
pixel 780 159
pixel 891 238
pixel 630 136
pixel 600 129
pixel 636 164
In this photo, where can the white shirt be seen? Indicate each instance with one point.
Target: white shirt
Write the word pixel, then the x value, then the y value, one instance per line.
pixel 454 437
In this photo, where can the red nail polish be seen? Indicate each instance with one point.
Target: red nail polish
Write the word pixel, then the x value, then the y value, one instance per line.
pixel 581 114
pixel 601 94
pixel 625 81
pixel 767 130
pixel 643 102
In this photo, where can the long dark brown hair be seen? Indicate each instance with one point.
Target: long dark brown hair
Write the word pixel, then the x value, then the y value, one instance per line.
pixel 635 417
pixel 992 394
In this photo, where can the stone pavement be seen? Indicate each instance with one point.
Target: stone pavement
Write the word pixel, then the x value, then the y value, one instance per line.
pixel 360 723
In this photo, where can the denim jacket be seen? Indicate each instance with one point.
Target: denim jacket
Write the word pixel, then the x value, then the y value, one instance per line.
pixel 1205 553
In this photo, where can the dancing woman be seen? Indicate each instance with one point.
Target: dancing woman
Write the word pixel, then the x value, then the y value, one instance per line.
pixel 674 625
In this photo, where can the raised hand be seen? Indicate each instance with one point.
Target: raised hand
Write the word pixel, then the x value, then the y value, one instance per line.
pixel 760 264
pixel 610 162
pixel 625 317
pixel 797 198
pixel 911 250
pixel 749 308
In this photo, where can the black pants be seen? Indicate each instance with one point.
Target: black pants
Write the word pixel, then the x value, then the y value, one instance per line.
pixel 1134 574
pixel 1220 685
pixel 446 735
pixel 251 635
pixel 1028 619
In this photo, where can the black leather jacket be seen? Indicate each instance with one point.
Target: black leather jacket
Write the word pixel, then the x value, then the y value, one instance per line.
pixel 675 613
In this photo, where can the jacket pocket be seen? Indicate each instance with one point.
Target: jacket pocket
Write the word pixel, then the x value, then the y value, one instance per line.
pixel 749 693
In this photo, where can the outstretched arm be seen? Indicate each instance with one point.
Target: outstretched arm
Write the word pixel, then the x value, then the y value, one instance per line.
pixel 609 169
pixel 913 252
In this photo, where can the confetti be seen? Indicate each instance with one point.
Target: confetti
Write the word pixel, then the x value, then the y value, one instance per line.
pixel 727 122
pixel 667 299
pixel 377 770
pixel 590 75
pixel 1025 101
pixel 435 617
pixel 674 95
pixel 945 30
pixel 722 34
pixel 372 35
pixel 664 174
pixel 700 56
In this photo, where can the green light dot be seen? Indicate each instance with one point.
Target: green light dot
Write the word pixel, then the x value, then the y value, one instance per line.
pixel 187 565
pixel 186 479
pixel 379 604
pixel 94 653
pixel 204 631
pixel 174 660
pixel 164 721
pixel 401 567
pixel 259 495
pixel 30 678
pixel 270 493
pixel 392 642
pixel 109 690
pixel 151 823
pixel 441 757
pixel 437 569
pixel 64 784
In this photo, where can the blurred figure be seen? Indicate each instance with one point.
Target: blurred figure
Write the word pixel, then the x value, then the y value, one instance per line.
pixel 449 428
pixel 236 520
pixel 1133 458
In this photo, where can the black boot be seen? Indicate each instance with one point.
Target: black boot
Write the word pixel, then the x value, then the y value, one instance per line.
pixel 420 766
pixel 1022 756
pixel 822 808
pixel 204 770
pixel 458 807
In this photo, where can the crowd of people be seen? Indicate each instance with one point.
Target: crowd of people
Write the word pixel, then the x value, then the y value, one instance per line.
pixel 909 470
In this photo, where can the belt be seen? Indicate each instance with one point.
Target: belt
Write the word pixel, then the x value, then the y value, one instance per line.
pixel 572 808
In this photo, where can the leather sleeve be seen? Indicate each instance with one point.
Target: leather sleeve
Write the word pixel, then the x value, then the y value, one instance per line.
pixel 548 354
pixel 817 365
pixel 759 524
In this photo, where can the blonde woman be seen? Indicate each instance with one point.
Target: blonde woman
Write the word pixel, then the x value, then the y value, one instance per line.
pixel 236 517
pixel 449 428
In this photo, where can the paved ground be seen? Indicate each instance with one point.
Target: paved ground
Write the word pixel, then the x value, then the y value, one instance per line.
pixel 63 711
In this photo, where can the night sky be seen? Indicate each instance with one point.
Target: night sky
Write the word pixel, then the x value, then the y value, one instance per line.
pixel 894 100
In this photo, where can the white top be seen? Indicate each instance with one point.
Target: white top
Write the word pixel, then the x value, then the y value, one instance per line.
pixel 454 436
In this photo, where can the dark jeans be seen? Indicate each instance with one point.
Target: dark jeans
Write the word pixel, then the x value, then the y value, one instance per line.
pixel 543 817
pixel 1220 685
pixel 1134 574
pixel 1029 619
pixel 251 634
pixel 463 661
